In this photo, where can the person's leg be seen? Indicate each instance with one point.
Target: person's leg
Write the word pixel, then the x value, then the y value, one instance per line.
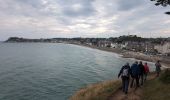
pixel 123 84
pixel 141 79
pixel 131 85
pixel 137 81
pixel 158 71
pixel 126 85
pixel 157 74
pixel 145 75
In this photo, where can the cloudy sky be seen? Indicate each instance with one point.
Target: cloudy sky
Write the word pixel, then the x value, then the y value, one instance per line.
pixel 82 18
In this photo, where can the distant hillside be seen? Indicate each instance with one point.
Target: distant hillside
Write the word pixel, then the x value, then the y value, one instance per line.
pixel 120 39
pixel 17 39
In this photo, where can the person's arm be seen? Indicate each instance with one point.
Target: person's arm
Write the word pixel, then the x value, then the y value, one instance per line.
pixel 148 69
pixel 160 65
pixel 120 72
pixel 130 72
pixel 138 70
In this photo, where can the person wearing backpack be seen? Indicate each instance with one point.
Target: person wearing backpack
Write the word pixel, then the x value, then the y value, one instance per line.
pixel 125 75
pixel 135 74
pixel 146 67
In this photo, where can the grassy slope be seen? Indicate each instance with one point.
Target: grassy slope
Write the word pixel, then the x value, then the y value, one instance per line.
pixel 100 91
pixel 158 89
pixel 155 89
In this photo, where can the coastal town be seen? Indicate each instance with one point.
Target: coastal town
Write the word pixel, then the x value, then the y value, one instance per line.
pixel 148 46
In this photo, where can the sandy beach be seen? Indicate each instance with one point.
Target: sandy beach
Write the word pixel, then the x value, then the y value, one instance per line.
pixel 165 61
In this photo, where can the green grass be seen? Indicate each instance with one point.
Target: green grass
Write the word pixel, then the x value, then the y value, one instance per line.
pixel 100 91
pixel 158 89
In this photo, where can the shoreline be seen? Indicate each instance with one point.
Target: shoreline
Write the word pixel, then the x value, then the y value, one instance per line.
pixel 130 54
pixel 114 50
pixel 123 53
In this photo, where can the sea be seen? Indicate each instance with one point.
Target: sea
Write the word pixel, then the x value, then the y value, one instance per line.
pixel 53 71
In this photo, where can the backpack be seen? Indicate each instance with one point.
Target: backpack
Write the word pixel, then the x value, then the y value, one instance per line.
pixel 125 72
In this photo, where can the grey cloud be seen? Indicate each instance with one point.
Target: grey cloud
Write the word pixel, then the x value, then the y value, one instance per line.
pixel 86 8
pixel 125 5
pixel 33 3
pixel 34 18
pixel 85 11
pixel 28 8
pixel 146 19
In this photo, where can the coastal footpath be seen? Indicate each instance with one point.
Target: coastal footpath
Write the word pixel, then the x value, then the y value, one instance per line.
pixel 153 89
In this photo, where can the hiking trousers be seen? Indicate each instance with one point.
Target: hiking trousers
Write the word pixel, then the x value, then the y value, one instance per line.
pixel 136 78
pixel 141 79
pixel 125 84
pixel 145 76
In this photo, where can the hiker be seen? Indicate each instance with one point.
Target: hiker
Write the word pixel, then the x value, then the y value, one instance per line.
pixel 125 75
pixel 158 68
pixel 135 74
pixel 146 67
pixel 141 72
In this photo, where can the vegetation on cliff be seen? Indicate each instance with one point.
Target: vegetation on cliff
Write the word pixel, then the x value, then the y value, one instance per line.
pixel 153 89
pixel 158 89
pixel 100 91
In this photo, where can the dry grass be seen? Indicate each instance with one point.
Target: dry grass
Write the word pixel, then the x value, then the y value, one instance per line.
pixel 154 89
pixel 158 89
pixel 100 91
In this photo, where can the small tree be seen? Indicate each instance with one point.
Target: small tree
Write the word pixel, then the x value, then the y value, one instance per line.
pixel 163 3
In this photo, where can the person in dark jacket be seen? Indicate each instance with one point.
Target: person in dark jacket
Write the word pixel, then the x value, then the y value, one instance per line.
pixel 135 74
pixel 158 68
pixel 141 72
pixel 125 75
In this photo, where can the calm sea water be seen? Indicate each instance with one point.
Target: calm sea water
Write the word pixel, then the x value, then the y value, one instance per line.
pixel 44 71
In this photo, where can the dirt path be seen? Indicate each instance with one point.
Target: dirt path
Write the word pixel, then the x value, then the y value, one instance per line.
pixel 133 94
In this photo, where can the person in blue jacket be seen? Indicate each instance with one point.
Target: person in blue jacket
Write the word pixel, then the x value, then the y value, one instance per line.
pixel 135 74
pixel 125 75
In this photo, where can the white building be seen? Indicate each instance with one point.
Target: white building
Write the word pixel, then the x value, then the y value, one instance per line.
pixel 115 45
pixel 163 48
